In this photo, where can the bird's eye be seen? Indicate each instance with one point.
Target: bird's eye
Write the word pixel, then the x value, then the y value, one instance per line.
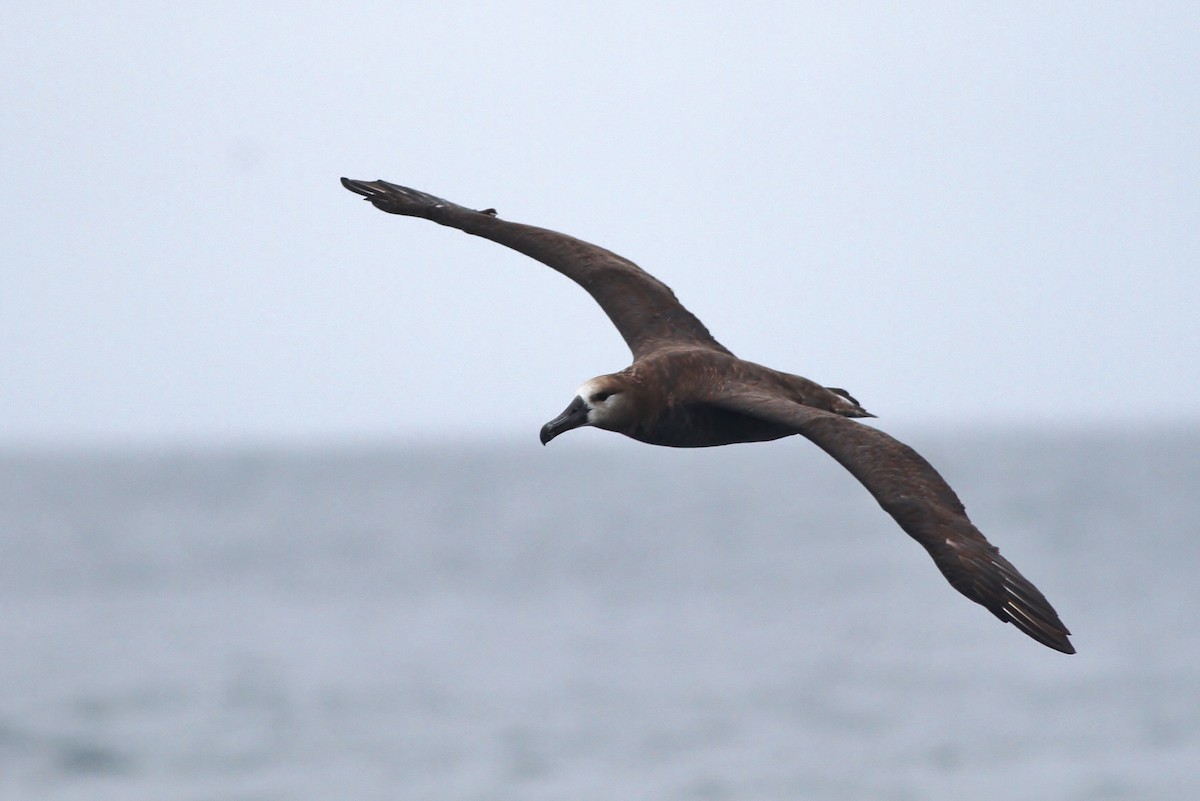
pixel 601 397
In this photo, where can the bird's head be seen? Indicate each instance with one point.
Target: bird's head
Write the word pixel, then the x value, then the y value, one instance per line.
pixel 604 402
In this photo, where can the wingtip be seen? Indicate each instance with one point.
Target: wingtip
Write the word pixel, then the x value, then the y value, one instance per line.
pixel 1055 638
pixel 396 199
pixel 357 187
pixel 1058 642
pixel 1040 622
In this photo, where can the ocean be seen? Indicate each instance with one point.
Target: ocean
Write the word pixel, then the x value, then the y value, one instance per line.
pixel 596 620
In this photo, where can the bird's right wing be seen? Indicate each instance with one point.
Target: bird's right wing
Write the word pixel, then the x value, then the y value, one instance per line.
pixel 643 309
pixel 920 500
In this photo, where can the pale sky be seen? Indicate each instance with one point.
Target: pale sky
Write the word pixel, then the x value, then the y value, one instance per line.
pixel 966 214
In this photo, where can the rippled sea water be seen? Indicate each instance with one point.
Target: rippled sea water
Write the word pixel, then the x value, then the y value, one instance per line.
pixel 591 621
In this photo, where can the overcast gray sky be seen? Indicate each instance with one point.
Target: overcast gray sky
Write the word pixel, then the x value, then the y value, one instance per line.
pixel 964 213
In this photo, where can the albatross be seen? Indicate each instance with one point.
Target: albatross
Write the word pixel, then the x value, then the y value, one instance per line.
pixel 686 390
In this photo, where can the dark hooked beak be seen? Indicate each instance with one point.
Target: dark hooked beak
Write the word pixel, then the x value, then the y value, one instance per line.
pixel 574 416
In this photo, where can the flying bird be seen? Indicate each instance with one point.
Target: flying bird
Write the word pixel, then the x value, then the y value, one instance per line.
pixel 686 390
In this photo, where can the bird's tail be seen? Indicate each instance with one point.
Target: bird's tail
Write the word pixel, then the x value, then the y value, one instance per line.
pixel 846 405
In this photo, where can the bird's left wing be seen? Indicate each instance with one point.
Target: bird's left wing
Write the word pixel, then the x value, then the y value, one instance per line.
pixel 644 310
pixel 920 500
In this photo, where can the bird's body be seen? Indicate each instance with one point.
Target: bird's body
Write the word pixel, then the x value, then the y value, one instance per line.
pixel 672 393
pixel 684 389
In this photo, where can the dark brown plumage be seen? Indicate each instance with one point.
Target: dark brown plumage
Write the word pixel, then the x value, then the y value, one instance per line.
pixel 684 389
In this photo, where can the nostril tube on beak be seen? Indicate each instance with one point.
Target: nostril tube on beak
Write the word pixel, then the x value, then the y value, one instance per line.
pixel 574 416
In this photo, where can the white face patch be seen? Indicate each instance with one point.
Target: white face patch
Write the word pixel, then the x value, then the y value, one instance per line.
pixel 606 401
pixel 588 389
